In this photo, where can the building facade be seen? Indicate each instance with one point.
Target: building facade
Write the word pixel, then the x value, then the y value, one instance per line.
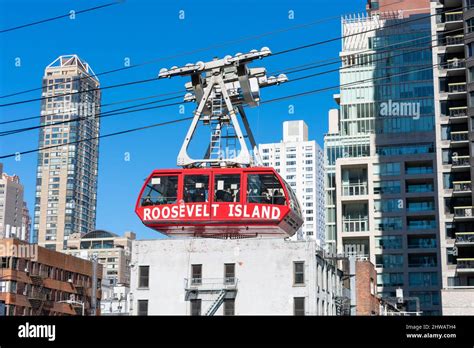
pixel 300 162
pixel 14 215
pixel 66 183
pixel 115 300
pixel 453 52
pixel 38 281
pixel 233 277
pixel 113 253
pixel 380 152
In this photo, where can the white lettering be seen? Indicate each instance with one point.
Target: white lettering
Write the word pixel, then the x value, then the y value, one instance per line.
pixel 198 210
pixel 205 212
pixel 174 212
pixel 266 212
pixel 238 210
pixel 214 209
pixel 275 213
pixel 155 213
pixel 256 212
pixel 165 212
pixel 146 214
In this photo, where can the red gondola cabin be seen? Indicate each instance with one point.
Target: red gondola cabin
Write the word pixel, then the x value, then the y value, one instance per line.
pixel 219 202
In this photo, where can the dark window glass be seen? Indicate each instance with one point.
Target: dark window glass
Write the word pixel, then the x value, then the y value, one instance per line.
pixel 227 188
pixel 161 190
pixel 196 274
pixel 264 189
pixel 298 306
pixel 229 273
pixel 143 276
pixel 142 307
pixel 196 188
pixel 298 272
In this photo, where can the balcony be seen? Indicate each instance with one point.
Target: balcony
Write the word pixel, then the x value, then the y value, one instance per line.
pixel 460 187
pixel 464 239
pixel 453 67
pixel 425 243
pixel 420 207
pixel 210 284
pixel 419 188
pixel 456 88
pixel 465 265
pixel 459 137
pixel 461 162
pixel 458 113
pixel 463 213
pixel 421 225
pixel 453 17
pixel 453 41
pixel 354 189
pixel 355 224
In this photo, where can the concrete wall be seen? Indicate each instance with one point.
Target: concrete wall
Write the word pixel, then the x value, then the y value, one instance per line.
pixel 458 301
pixel 263 268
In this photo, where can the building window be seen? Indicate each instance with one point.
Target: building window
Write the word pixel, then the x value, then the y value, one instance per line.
pixel 143 276
pixel 470 25
pixel 196 274
pixel 229 306
pixel 229 273
pixel 195 307
pixel 298 306
pixel 142 307
pixel 298 268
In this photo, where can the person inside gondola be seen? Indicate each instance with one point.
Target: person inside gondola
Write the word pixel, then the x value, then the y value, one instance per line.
pixel 147 201
pixel 278 198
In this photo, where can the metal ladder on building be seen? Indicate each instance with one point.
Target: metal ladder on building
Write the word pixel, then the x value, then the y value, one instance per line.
pixel 216 304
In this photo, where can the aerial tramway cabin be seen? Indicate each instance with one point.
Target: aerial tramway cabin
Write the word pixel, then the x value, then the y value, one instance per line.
pixel 219 202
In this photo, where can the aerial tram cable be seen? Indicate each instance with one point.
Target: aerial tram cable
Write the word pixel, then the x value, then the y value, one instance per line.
pixel 337 60
pixel 319 21
pixel 125 101
pixel 2 31
pixel 278 53
pixel 286 71
pixel 112 112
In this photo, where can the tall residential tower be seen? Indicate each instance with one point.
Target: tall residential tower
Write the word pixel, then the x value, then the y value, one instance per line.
pixel 300 162
pixel 14 216
pixel 66 184
pixel 380 151
pixel 453 52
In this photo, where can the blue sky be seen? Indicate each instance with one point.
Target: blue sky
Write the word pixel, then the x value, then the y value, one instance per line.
pixel 143 30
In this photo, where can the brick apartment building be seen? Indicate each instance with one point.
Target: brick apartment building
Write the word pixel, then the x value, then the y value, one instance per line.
pixel 38 281
pixel 367 300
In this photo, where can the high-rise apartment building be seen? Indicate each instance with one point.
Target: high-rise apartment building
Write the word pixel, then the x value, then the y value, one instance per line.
pixel 14 216
pixel 66 184
pixel 453 52
pixel 380 151
pixel 300 162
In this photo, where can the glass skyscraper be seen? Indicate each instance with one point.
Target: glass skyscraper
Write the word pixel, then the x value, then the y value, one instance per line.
pixel 380 158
